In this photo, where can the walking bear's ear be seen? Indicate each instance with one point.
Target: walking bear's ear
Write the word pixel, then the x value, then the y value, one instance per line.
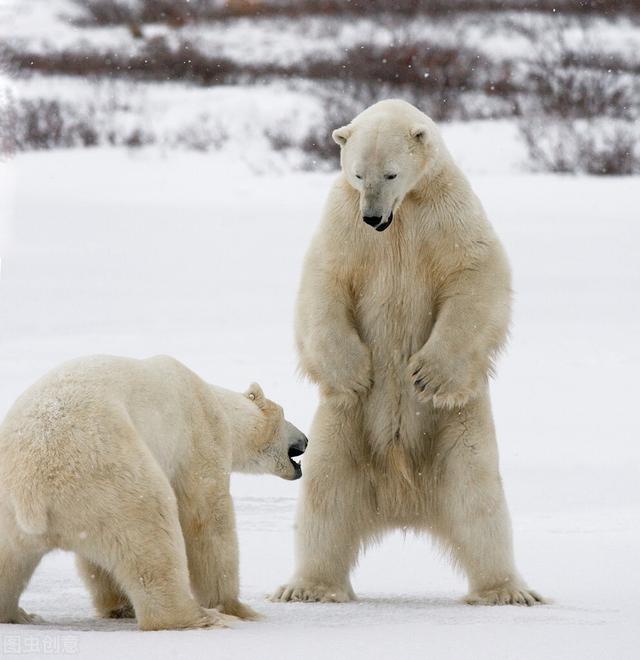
pixel 341 135
pixel 255 393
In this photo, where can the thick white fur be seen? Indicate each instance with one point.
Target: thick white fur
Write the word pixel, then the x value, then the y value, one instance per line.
pixel 400 330
pixel 126 463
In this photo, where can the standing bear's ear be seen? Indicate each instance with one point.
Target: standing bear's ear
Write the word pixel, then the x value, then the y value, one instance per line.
pixel 341 135
pixel 255 393
pixel 420 132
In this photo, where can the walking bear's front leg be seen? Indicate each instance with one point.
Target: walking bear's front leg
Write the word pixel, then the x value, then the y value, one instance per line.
pixel 212 551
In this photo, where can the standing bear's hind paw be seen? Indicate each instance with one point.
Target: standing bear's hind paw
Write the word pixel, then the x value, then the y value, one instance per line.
pixel 301 591
pixel 124 612
pixel 507 595
pixel 240 611
pixel 217 619
pixel 22 617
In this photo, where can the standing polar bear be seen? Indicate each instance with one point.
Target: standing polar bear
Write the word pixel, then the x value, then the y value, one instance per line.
pixel 126 463
pixel 400 330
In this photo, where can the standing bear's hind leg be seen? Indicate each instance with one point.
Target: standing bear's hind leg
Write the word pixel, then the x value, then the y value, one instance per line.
pixel 332 521
pixel 473 519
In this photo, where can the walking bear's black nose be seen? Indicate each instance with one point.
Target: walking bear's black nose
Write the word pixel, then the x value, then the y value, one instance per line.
pixel 299 447
pixel 372 220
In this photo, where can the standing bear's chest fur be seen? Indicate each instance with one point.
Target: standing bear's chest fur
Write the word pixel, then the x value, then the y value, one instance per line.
pixel 396 283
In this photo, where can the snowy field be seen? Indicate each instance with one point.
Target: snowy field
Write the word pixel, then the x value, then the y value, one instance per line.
pixel 105 251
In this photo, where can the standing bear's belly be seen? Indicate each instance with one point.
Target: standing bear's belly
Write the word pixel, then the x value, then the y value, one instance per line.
pixel 394 318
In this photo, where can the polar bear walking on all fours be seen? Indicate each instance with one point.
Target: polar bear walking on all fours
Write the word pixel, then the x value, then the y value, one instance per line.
pixel 403 306
pixel 127 463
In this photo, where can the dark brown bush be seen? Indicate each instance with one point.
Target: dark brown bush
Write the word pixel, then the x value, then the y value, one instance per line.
pixel 431 69
pixel 44 124
pixel 156 60
pixel 179 12
pixel 579 117
pixel 578 93
pixel 576 81
pixel 589 147
pixel 38 124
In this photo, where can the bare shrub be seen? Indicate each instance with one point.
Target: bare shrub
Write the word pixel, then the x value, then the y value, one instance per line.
pixel 436 77
pixel 577 93
pixel 205 134
pixel 136 12
pixel 108 12
pixel 569 81
pixel 579 117
pixel 37 124
pixel 279 139
pixel 414 63
pixel 156 60
pixel 179 12
pixel 340 104
pixel 431 67
pixel 7 124
pixel 585 147
pixel 45 124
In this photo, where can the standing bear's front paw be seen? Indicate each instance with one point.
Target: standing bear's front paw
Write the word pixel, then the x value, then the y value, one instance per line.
pixel 346 368
pixel 445 380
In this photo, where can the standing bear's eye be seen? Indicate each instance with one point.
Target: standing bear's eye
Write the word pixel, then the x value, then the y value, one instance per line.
pixel 388 177
pixel 358 176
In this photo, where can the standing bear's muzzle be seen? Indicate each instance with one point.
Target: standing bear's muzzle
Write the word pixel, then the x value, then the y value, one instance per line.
pixel 376 221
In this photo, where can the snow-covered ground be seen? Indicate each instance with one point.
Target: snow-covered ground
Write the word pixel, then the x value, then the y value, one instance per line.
pixel 197 256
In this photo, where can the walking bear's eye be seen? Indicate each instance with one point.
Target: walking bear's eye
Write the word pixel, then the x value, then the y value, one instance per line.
pixel 358 176
pixel 388 177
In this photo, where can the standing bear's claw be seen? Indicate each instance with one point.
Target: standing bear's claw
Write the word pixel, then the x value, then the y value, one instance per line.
pixel 443 380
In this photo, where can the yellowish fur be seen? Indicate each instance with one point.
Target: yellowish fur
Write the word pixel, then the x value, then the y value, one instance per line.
pixel 126 463
pixel 400 330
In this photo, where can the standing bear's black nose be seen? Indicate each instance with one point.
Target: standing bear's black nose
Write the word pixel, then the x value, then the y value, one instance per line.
pixel 372 220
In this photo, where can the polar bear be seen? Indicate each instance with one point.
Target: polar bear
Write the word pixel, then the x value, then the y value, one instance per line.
pixel 126 463
pixel 403 306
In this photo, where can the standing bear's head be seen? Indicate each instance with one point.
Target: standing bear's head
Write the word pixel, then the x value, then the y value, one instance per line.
pixel 385 151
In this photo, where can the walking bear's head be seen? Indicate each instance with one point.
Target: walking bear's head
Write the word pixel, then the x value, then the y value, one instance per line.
pixel 384 152
pixel 272 444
